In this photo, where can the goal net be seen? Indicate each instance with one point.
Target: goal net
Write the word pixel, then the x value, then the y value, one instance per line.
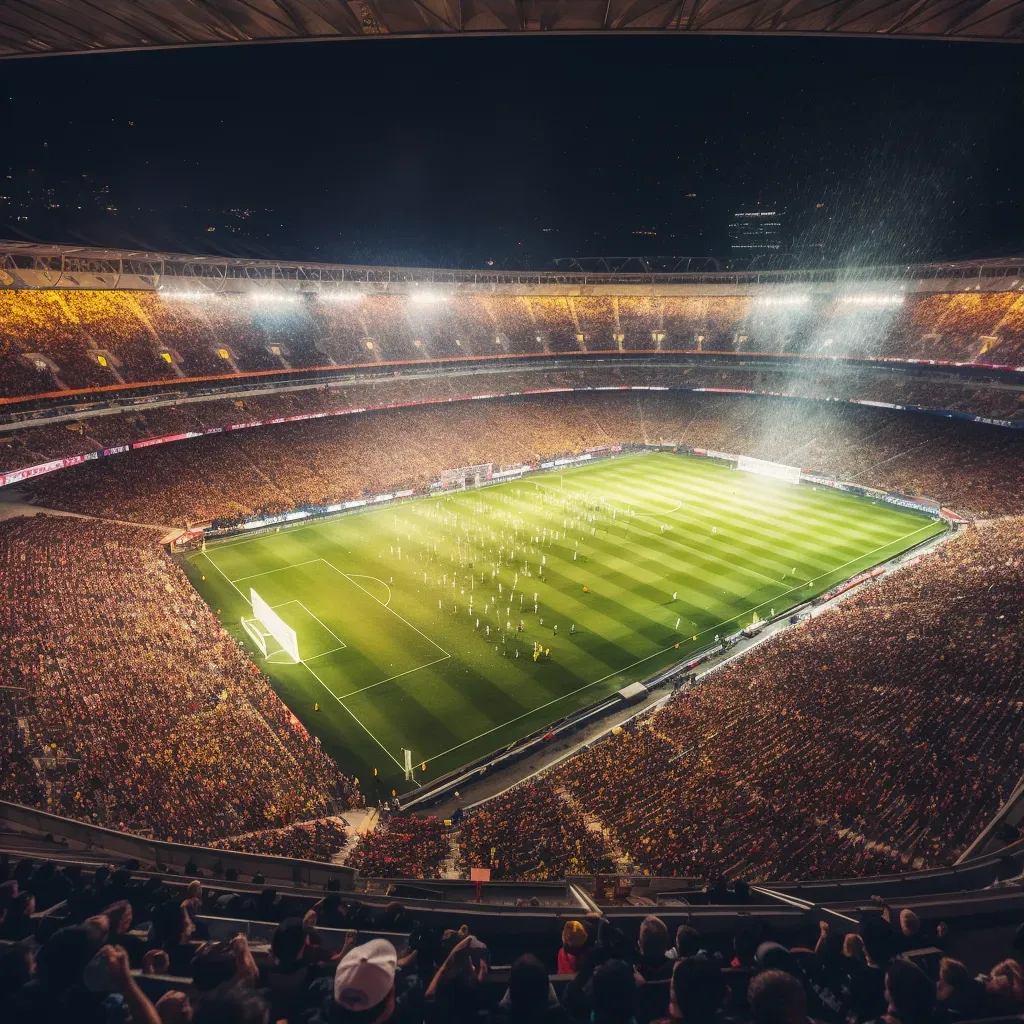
pixel 466 476
pixel 776 470
pixel 268 630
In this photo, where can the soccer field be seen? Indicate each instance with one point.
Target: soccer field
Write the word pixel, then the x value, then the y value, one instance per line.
pixel 407 616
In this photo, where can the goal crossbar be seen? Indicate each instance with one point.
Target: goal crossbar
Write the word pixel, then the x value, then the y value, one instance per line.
pixel 266 624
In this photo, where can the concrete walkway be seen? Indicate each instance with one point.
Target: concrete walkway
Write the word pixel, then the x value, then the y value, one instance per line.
pixel 14 501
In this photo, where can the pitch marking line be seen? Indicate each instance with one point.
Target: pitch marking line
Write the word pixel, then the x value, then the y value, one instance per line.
pixel 354 718
pixel 310 670
pixel 328 628
pixel 221 571
pixel 295 600
pixel 270 571
pixel 408 671
pixel 360 576
pixel 333 650
pixel 383 605
pixel 650 515
pixel 626 668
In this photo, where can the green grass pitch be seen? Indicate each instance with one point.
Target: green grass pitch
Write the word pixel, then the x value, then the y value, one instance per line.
pixel 380 599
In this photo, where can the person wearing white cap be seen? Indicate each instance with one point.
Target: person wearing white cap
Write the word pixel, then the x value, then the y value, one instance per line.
pixel 364 984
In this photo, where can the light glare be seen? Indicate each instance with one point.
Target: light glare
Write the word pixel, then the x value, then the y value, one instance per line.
pixel 181 295
pixel 782 300
pixel 872 299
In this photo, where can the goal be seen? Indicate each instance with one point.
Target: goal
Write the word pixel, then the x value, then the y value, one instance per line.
pixel 466 476
pixel 776 470
pixel 270 633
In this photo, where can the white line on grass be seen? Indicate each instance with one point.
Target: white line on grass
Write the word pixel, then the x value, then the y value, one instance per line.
pixel 355 719
pixel 295 600
pixel 309 668
pixel 408 671
pixel 626 668
pixel 383 605
pixel 269 571
pixel 649 515
pixel 323 654
pixel 328 628
pixel 221 571
pixel 361 576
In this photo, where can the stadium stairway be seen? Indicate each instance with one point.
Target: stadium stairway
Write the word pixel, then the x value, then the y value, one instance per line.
pixel 359 823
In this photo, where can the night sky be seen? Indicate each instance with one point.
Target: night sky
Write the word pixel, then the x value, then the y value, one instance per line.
pixel 513 151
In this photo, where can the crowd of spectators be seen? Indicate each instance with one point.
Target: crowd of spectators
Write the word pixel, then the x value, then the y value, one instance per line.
pixel 237 474
pixel 127 704
pixel 112 944
pixel 95 429
pixel 59 340
pixel 402 846
pixel 532 832
pixel 163 773
pixel 320 839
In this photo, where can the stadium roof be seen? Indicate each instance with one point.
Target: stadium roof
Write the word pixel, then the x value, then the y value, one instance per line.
pixel 42 265
pixel 45 27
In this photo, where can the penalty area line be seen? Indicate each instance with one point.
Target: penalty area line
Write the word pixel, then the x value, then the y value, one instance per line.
pixel 324 624
pixel 354 718
pixel 383 605
pixel 362 576
pixel 407 672
pixel 269 572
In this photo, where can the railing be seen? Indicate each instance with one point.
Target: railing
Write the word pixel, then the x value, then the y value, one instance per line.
pixel 124 845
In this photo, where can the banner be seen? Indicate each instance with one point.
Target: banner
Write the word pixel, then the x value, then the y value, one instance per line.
pixel 17 475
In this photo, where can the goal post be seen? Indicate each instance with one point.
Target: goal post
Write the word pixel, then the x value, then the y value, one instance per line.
pixel 266 626
pixel 775 470
pixel 464 477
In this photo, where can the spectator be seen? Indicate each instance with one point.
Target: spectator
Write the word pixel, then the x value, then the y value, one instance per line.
pixel 687 944
pixel 1005 988
pixel 867 984
pixel 697 991
pixel 454 992
pixel 652 962
pixel 573 950
pixel 530 996
pixel 959 995
pixel 613 993
pixel 776 997
pixel 853 950
pixel 364 986
pixel 909 992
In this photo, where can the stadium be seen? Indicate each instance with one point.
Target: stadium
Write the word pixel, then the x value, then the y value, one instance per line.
pixel 396 643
